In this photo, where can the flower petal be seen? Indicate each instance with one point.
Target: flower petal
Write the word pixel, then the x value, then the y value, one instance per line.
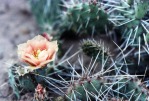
pixel 38 38
pixel 52 45
pixel 43 55
pixel 31 59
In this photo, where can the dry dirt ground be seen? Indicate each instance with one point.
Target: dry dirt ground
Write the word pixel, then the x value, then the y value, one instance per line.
pixel 17 25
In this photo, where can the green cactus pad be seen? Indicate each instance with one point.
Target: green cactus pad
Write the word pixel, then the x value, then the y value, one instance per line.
pixel 82 89
pixel 20 83
pixel 130 20
pixel 131 89
pixel 141 8
pixel 87 17
pixel 46 13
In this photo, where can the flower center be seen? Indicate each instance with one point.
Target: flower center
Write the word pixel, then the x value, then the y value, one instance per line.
pixel 36 53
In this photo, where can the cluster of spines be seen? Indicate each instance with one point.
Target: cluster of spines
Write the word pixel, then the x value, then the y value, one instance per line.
pixel 92 48
pixel 128 16
pixel 131 89
pixel 103 88
pixel 100 86
pixel 85 89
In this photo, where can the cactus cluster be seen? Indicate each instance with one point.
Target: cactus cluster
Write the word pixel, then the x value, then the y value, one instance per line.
pixel 96 89
pixel 131 18
pixel 109 63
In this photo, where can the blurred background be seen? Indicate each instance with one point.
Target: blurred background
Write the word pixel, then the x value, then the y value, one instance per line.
pixel 17 25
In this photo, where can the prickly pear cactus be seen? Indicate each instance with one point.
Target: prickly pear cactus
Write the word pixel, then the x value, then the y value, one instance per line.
pixel 129 18
pixel 81 89
pixel 20 80
pixel 111 74
pixel 87 18
pixel 141 8
pixel 131 89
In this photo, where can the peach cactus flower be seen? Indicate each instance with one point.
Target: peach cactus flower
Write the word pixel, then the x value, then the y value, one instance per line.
pixel 38 51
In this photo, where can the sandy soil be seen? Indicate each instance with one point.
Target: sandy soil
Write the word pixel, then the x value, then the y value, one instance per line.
pixel 16 26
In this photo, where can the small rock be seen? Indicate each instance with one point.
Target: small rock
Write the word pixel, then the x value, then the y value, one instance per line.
pixel 25 30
